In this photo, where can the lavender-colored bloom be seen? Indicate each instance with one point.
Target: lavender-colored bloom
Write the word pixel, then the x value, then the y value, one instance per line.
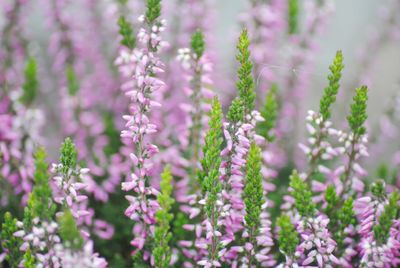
pixel 316 247
pixel 144 92
pixel 238 137
pixel 353 172
pixel 372 253
pixel 49 251
pixel 68 192
pixel 19 135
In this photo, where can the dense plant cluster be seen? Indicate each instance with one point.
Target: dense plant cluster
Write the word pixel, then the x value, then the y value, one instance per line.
pixel 167 163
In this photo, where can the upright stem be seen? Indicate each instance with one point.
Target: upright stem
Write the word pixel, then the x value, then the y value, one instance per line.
pixel 214 238
pixel 315 158
pixel 253 243
pixel 233 128
pixel 195 130
pixel 347 173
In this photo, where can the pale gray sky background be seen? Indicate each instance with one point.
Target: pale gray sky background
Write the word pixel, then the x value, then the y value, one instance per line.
pixel 347 30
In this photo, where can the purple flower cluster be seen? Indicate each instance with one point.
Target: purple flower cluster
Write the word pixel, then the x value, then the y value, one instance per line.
pixel 69 187
pixel 144 92
pixel 317 244
pixel 19 134
pixel 51 252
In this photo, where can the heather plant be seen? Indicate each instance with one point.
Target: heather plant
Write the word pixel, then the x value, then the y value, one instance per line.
pixel 167 161
pixel 162 235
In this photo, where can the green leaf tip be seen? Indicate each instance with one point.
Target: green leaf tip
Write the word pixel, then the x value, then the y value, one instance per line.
pixel 31 84
pixel 331 91
pixel 340 214
pixel 162 235
pixel 29 259
pixel 69 155
pixel 253 189
pixel 123 2
pixel 198 44
pixel 358 113
pixel 245 83
pixel 269 112
pixel 210 163
pixel 153 10
pixel 293 16
pixel 378 189
pixel 40 202
pixel 236 111
pixel 126 31
pixel 346 213
pixel 72 81
pixel 332 201
pixel 166 180
pixel 302 195
pixel 288 238
pixel 69 231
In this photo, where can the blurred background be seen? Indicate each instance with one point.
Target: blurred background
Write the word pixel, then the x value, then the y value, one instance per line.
pixel 350 29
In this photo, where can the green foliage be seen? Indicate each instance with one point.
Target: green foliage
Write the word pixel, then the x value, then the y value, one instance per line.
pixel 198 44
pixel 69 231
pixel 69 155
pixel 346 214
pixel 236 111
pixel 122 2
pixel 378 189
pixel 270 113
pixel 40 203
pixel 72 81
pixel 31 84
pixel 332 201
pixel 126 31
pixel 253 189
pixel 340 215
pixel 288 236
pixel 9 241
pixel 28 217
pixel 153 10
pixel 331 91
pixel 345 217
pixel 29 260
pixel 209 175
pixel 138 262
pixel 162 235
pixel 245 83
pixel 302 196
pixel 211 161
pixel 113 135
pixel 180 220
pixel 358 113
pixel 381 230
pixel 389 176
pixel 293 16
pixel 383 172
